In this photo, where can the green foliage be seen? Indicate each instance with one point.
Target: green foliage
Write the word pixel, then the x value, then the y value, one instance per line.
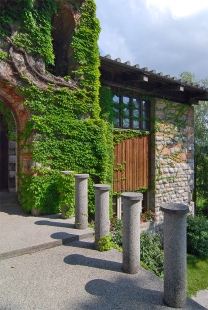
pixel 172 123
pixel 64 142
pixel 66 189
pixel 147 216
pixel 40 191
pixel 106 104
pixel 116 231
pixel 106 243
pixel 66 130
pixel 86 53
pixel 8 120
pixel 200 143
pixel 151 253
pixel 197 271
pixel 152 257
pixel 122 135
pixel 197 235
pixel 3 55
pixel 33 25
pixel 188 77
pixel 201 151
pixel 202 207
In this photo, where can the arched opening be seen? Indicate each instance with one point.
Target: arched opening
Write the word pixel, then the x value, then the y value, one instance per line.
pixel 4 156
pixel 13 117
pixel 7 150
pixel 62 33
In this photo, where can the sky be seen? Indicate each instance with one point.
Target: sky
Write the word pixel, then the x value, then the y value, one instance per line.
pixel 170 36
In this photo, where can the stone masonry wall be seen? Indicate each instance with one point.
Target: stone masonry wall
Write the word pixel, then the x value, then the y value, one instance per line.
pixel 172 159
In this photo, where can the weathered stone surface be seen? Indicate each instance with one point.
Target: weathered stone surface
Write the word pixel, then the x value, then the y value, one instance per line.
pixel 176 178
pixel 131 231
pixel 175 254
pixel 81 201
pixel 102 224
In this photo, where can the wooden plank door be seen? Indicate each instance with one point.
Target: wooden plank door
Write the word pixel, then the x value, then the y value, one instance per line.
pixel 131 164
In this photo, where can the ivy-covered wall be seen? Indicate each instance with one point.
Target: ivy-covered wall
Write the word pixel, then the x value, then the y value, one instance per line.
pixel 66 122
pixel 65 131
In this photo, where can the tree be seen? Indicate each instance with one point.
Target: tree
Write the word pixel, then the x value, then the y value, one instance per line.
pixel 201 142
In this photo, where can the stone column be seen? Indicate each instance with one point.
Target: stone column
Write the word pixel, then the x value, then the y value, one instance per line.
pixel 102 224
pixel 131 231
pixel 175 254
pixel 81 201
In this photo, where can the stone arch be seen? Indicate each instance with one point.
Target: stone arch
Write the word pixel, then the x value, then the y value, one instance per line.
pixel 16 155
pixel 64 24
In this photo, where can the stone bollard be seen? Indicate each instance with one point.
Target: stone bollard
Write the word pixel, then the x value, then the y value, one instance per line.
pixel 175 254
pixel 102 224
pixel 131 231
pixel 81 201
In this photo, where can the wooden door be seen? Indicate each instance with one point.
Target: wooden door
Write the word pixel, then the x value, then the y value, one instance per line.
pixel 131 164
pixel 3 156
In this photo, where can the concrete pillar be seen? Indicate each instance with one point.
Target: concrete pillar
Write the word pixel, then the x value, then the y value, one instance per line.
pixel 81 201
pixel 175 254
pixel 131 231
pixel 102 224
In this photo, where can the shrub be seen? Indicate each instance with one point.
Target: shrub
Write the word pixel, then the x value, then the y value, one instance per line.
pixel 116 231
pixel 106 244
pixel 197 235
pixel 147 216
pixel 202 207
pixel 151 253
pixel 40 192
pixel 152 257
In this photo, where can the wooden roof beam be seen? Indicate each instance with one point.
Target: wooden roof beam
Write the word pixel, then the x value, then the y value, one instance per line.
pixel 138 78
pixel 174 87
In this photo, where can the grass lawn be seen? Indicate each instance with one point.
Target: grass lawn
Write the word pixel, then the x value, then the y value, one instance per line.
pixel 197 274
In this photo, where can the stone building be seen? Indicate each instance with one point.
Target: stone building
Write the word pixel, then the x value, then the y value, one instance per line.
pixel 163 161
pixel 153 116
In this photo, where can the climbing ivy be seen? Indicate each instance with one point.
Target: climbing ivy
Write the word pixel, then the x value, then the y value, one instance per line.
pixel 3 55
pixel 31 26
pixel 8 120
pixel 71 130
pixel 122 135
pixel 66 128
pixel 170 125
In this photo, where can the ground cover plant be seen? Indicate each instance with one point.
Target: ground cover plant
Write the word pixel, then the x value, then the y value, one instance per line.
pixel 197 258
pixel 197 274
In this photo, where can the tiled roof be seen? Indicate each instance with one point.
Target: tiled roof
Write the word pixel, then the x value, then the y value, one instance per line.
pixel 157 76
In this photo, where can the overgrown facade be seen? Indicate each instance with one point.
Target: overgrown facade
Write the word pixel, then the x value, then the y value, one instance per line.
pixel 134 133
pixel 154 149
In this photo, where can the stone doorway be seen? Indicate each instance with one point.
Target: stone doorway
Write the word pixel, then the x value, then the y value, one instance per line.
pixel 4 156
pixel 7 160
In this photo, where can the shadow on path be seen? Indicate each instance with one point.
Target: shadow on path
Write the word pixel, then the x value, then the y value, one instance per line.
pixel 9 204
pixel 56 224
pixel 127 292
pixel 77 259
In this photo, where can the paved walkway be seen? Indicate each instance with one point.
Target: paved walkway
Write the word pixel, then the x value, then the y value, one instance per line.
pixel 22 233
pixel 42 269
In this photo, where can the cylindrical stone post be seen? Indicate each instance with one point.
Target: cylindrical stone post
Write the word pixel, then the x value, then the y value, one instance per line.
pixel 102 224
pixel 175 254
pixel 81 201
pixel 131 231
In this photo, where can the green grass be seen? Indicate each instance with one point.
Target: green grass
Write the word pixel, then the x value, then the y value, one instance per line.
pixel 197 274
